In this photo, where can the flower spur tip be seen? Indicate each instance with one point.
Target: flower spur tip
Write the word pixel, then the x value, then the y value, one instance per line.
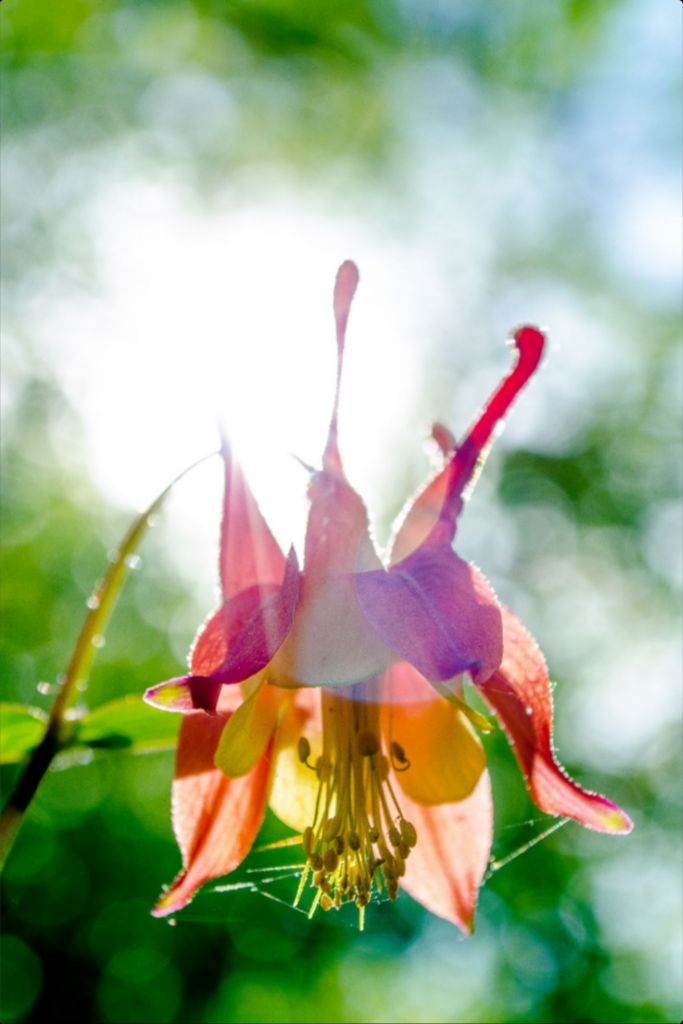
pixel 530 342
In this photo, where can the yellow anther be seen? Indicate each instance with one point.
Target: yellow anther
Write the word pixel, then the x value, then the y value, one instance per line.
pixel 325 902
pixel 322 769
pixel 303 749
pixel 330 859
pixel 403 849
pixel 353 840
pixel 339 845
pixel 331 828
pixel 337 898
pixel 316 861
pixel 394 836
pixel 373 834
pixel 318 877
pixel 408 832
pixel 307 840
pixel 368 744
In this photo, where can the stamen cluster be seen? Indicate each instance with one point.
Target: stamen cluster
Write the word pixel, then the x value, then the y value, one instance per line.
pixel 359 839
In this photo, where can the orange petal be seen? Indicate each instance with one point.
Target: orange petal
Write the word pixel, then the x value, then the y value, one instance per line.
pixel 445 869
pixel 520 694
pixel 445 754
pixel 215 819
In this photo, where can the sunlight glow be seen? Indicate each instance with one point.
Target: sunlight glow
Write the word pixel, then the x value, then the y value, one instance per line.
pixel 227 319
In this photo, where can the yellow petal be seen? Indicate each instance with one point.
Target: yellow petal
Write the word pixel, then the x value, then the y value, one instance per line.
pixel 248 731
pixel 294 786
pixel 445 754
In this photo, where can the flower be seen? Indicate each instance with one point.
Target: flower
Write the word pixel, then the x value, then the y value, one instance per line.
pixel 334 693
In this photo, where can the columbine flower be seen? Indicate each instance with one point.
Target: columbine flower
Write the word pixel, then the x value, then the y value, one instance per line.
pixel 349 720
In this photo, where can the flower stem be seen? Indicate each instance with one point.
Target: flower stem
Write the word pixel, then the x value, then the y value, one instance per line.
pixel 58 730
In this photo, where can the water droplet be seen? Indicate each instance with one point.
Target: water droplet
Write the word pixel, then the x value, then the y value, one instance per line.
pixel 60 678
pixel 98 640
pixel 75 713
pixel 133 561
pixel 528 710
pixel 171 922
pixel 93 601
pixel 152 521
pixel 82 686
pixel 45 688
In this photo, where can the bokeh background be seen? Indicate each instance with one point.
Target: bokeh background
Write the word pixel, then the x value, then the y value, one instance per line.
pixel 181 180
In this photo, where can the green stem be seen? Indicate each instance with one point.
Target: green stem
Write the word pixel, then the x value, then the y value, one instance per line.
pixel 58 729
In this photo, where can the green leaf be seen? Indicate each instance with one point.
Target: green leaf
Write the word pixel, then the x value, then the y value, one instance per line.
pixel 128 724
pixel 21 730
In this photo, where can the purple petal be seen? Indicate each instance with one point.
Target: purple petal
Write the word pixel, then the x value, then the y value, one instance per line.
pixel 435 611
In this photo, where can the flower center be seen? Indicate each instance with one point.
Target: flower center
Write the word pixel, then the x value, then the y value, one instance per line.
pixel 359 840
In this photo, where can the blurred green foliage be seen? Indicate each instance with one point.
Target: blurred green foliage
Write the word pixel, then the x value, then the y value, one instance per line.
pixel 202 89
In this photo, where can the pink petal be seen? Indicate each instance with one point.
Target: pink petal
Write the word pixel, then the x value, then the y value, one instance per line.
pixel 436 611
pixel 185 694
pixel 444 438
pixel 209 649
pixel 215 819
pixel 256 622
pixel 344 290
pixel 331 642
pixel 208 654
pixel 249 554
pixel 253 624
pixel 520 694
pixel 445 869
pixel 441 498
